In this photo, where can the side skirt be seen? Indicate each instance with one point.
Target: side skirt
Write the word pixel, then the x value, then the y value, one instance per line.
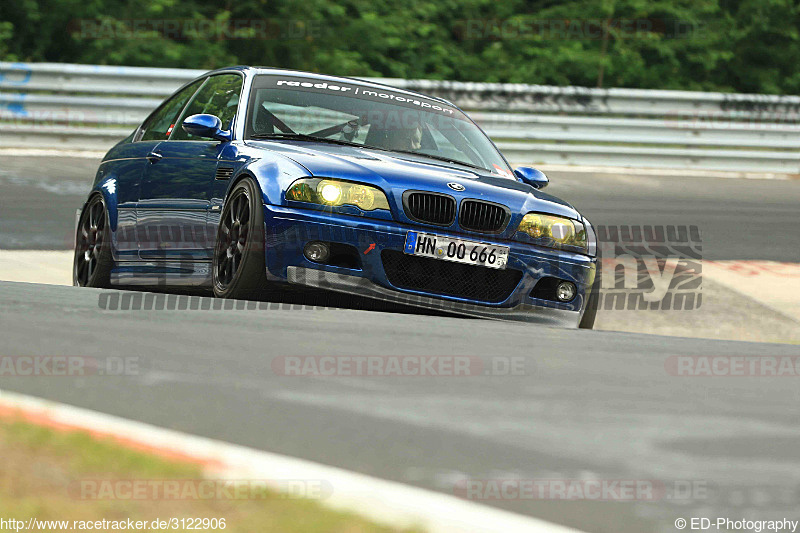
pixel 162 273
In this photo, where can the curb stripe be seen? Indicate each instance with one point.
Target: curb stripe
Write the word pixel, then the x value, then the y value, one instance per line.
pixel 385 502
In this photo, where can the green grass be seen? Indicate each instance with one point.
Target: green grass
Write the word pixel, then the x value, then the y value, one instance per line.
pixel 41 467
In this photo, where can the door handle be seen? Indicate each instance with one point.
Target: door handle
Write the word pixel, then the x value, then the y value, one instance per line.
pixel 154 157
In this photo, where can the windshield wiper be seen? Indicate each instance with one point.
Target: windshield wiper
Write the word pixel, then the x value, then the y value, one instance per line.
pixel 302 137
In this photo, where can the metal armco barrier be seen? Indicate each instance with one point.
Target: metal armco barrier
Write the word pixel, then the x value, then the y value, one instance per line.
pixel 90 107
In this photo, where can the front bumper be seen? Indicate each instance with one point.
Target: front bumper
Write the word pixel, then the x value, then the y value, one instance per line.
pixel 289 229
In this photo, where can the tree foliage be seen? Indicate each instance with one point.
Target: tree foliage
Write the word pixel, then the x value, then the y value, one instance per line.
pixel 725 45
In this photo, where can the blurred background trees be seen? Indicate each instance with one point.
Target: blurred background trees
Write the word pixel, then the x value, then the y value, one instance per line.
pixel 724 45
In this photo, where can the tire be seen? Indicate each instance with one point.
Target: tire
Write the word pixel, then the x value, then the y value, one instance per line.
pixel 587 321
pixel 92 262
pixel 238 267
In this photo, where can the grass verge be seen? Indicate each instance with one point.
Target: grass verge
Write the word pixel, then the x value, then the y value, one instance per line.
pixel 42 472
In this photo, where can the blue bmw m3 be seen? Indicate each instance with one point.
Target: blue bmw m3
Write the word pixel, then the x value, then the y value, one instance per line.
pixel 249 180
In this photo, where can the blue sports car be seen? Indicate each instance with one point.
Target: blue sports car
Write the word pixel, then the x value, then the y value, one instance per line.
pixel 248 179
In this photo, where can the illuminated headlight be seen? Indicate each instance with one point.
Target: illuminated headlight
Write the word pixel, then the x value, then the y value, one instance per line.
pixel 330 193
pixel 555 232
pixel 335 193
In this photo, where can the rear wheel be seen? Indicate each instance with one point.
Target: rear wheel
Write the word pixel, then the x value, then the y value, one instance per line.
pixel 238 269
pixel 92 263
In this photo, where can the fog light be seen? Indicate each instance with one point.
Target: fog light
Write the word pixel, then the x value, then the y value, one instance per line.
pixel 317 252
pixel 566 291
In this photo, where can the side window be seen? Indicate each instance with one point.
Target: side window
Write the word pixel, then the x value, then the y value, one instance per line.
pixel 219 96
pixel 161 123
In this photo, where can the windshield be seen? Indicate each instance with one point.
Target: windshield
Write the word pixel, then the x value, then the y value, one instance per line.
pixel 301 108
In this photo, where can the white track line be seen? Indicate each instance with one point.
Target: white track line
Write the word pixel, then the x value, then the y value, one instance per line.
pixel 663 172
pixel 38 152
pixel 385 502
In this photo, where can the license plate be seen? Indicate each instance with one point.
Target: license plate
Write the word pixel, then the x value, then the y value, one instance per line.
pixel 457 250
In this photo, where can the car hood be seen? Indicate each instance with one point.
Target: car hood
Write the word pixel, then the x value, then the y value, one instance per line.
pixel 396 173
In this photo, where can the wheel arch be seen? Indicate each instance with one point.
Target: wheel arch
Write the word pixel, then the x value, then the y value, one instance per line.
pixel 241 176
pixel 273 176
pixel 106 188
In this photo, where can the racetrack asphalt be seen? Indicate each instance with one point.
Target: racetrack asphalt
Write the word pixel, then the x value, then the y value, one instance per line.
pixel 586 406
pixel 590 405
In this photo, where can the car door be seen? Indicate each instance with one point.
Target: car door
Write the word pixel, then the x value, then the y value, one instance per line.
pixel 127 163
pixel 174 199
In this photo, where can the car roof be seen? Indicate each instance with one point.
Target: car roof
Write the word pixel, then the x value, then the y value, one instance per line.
pixel 326 77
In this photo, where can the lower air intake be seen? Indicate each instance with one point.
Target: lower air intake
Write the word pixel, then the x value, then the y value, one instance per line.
pixel 447 278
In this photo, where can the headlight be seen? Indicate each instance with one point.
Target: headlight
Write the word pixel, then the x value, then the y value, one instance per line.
pixel 334 193
pixel 555 232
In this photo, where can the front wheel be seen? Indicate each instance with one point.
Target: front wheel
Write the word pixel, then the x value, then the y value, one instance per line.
pixel 92 263
pixel 238 268
pixel 592 302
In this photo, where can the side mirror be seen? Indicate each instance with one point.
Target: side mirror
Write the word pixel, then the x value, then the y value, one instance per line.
pixel 208 126
pixel 531 176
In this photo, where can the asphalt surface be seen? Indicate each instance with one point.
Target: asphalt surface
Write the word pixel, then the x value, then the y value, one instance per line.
pixel 738 218
pixel 587 405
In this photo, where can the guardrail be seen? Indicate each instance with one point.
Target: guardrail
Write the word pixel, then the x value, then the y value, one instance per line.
pixel 90 107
